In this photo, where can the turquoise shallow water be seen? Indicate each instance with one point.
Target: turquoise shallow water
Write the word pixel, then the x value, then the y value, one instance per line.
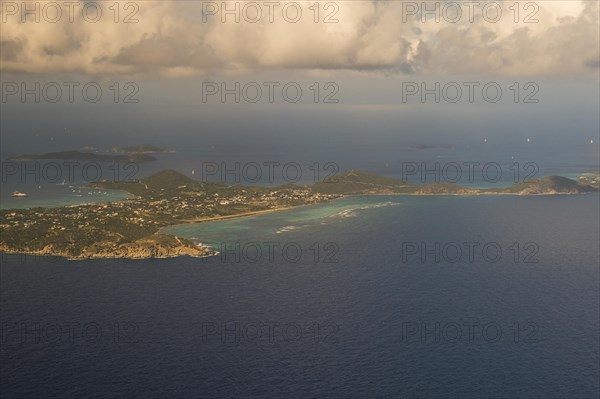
pixel 362 320
pixel 57 183
pixel 53 197
pixel 282 224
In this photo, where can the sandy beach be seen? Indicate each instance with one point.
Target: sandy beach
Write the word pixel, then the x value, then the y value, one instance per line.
pixel 237 215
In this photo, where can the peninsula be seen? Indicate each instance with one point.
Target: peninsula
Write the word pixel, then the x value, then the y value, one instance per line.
pixel 130 228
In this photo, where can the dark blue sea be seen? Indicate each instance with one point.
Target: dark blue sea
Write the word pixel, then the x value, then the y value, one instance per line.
pixel 407 297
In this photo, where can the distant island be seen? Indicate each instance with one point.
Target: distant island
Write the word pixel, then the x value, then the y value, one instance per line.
pixel 130 228
pixel 431 146
pixel 85 156
pixel 141 149
pixel 136 153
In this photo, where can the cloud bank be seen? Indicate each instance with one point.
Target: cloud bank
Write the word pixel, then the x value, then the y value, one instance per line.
pixel 180 39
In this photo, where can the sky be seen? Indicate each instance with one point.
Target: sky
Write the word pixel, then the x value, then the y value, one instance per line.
pixel 303 79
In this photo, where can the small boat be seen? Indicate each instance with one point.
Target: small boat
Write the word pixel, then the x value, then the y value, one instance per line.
pixel 19 194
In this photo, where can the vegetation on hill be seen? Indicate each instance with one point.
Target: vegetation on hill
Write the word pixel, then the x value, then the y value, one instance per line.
pixel 546 185
pixel 359 182
pixel 130 228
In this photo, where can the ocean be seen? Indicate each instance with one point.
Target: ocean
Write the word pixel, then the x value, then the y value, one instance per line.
pixel 393 296
pixel 57 182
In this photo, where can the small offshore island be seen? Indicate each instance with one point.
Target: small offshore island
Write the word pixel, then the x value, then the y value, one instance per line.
pixel 136 153
pixel 85 156
pixel 130 228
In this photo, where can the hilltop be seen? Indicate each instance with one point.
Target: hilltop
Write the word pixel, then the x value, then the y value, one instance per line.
pixel 171 183
pixel 168 183
pixel 546 185
pixel 363 183
pixel 131 228
pixel 360 182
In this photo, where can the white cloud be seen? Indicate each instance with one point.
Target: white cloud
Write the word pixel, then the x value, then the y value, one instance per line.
pixel 172 40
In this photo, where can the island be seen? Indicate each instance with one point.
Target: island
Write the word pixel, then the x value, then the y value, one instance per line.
pixel 85 156
pixel 130 228
pixel 142 149
pixel 365 183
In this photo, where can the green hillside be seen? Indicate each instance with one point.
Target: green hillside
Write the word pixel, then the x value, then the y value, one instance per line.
pixel 360 182
pixel 546 185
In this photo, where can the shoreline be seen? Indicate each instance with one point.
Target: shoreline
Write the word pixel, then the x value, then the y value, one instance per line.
pixel 129 196
pixel 178 253
pixel 252 213
pixel 126 196
pixel 224 217
pixel 239 215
